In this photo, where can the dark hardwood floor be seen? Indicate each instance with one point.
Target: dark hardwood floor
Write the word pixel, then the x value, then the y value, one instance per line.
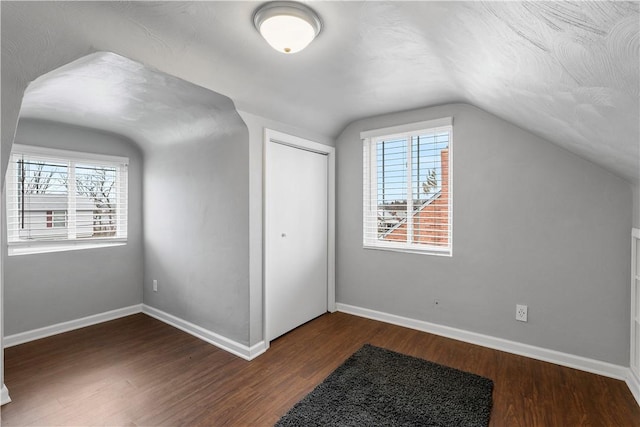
pixel 139 371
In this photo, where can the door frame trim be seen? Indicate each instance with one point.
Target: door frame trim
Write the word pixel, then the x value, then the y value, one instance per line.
pixel 275 137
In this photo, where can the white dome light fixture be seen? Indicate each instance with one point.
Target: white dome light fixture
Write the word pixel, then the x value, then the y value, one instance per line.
pixel 286 25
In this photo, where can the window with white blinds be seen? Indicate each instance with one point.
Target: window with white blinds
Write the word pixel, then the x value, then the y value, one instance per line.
pixel 407 187
pixel 57 199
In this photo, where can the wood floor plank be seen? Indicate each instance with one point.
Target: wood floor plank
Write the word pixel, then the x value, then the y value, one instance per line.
pixel 138 371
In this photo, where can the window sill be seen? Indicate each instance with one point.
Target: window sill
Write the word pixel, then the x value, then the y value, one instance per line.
pixel 17 249
pixel 434 252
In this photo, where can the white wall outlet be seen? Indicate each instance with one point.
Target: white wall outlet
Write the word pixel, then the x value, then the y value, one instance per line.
pixel 155 285
pixel 521 312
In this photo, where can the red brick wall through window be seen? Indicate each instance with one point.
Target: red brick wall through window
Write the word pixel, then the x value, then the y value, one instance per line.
pixel 431 221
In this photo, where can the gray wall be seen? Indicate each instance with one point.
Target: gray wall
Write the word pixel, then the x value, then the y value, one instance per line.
pixel 19 67
pixel 45 289
pixel 532 224
pixel 196 227
pixel 256 126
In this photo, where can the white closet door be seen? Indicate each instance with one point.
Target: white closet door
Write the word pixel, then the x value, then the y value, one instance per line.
pixel 296 237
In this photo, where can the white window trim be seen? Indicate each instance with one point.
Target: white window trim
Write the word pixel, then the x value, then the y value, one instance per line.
pixel 408 130
pixel 47 246
pixel 61 246
pixel 68 154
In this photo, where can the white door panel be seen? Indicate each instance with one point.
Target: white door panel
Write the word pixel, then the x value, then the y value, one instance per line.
pixel 296 243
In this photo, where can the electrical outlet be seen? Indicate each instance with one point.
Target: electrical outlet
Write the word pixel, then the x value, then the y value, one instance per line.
pixel 155 285
pixel 521 312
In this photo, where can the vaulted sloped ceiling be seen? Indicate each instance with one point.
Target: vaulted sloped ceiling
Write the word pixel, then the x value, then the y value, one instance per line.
pixel 567 71
pixel 107 91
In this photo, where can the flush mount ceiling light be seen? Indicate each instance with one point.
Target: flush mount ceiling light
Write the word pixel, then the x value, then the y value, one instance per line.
pixel 287 26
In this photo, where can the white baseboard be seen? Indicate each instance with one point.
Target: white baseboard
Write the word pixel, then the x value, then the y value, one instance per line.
pixel 4 395
pixel 257 349
pixel 47 331
pixel 564 359
pixel 633 382
pixel 240 350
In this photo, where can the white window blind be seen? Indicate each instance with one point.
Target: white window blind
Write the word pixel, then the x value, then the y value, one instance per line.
pixel 407 189
pixel 56 196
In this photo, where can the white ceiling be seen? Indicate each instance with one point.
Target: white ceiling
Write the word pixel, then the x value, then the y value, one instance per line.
pixel 568 72
pixel 107 91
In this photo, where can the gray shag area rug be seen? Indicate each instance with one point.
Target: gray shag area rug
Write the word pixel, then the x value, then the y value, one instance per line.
pixel 378 387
